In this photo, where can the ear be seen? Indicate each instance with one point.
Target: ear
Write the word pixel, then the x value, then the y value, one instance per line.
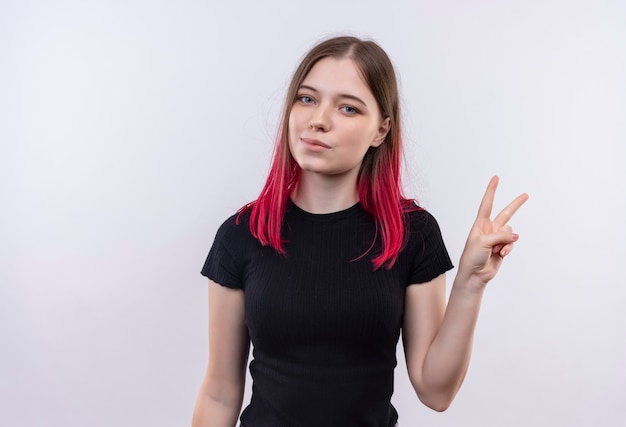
pixel 383 130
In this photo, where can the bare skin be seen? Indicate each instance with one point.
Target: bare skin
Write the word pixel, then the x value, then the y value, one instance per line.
pixel 329 137
pixel 437 338
pixel 221 394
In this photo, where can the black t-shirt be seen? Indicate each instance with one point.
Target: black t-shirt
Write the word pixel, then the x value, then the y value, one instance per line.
pixel 323 324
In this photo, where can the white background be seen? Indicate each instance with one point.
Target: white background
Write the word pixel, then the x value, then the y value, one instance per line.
pixel 131 129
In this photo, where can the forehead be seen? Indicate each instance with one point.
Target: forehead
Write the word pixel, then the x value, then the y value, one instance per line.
pixel 338 75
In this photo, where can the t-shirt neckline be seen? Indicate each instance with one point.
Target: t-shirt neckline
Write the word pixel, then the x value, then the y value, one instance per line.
pixel 296 210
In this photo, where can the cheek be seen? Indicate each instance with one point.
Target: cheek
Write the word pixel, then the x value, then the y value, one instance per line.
pixel 296 119
pixel 291 125
pixel 360 134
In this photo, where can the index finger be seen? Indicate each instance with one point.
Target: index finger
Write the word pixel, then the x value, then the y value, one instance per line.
pixel 486 204
pixel 507 213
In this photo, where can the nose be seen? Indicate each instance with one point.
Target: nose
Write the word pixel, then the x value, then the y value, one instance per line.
pixel 314 125
pixel 319 119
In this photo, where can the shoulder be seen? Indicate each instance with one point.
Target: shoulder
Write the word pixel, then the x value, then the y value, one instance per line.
pixel 419 220
pixel 236 223
pixel 235 231
pixel 425 250
pixel 231 250
pixel 423 230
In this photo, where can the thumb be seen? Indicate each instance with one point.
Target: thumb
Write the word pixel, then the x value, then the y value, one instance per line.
pixel 500 238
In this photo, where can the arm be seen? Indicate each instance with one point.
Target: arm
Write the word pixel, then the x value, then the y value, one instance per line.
pixel 221 394
pixel 438 339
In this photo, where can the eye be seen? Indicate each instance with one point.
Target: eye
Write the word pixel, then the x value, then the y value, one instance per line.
pixel 349 109
pixel 305 99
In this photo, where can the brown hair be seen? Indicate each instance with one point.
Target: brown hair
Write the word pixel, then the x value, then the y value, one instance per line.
pixel 379 187
pixel 377 72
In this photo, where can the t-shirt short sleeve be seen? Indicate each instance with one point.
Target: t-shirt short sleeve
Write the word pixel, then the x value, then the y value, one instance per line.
pixel 431 256
pixel 222 265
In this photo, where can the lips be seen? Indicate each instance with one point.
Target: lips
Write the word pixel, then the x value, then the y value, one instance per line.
pixel 314 143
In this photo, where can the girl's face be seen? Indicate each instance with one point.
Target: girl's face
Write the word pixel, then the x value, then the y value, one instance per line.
pixel 334 120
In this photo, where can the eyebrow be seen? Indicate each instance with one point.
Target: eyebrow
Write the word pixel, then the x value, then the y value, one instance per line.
pixel 341 95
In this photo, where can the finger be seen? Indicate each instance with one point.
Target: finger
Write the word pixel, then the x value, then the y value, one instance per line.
pixel 506 250
pixel 486 204
pixel 505 232
pixel 499 239
pixel 507 213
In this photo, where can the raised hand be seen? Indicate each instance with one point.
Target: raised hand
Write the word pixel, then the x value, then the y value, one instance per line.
pixel 489 241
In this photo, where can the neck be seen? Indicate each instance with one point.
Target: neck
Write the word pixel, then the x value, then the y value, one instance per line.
pixel 319 194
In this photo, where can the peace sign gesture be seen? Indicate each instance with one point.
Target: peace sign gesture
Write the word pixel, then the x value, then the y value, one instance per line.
pixel 489 241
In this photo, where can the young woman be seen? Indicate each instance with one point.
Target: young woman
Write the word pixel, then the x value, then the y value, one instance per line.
pixel 323 271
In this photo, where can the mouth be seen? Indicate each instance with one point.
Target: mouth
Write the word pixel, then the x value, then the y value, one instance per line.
pixel 314 143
